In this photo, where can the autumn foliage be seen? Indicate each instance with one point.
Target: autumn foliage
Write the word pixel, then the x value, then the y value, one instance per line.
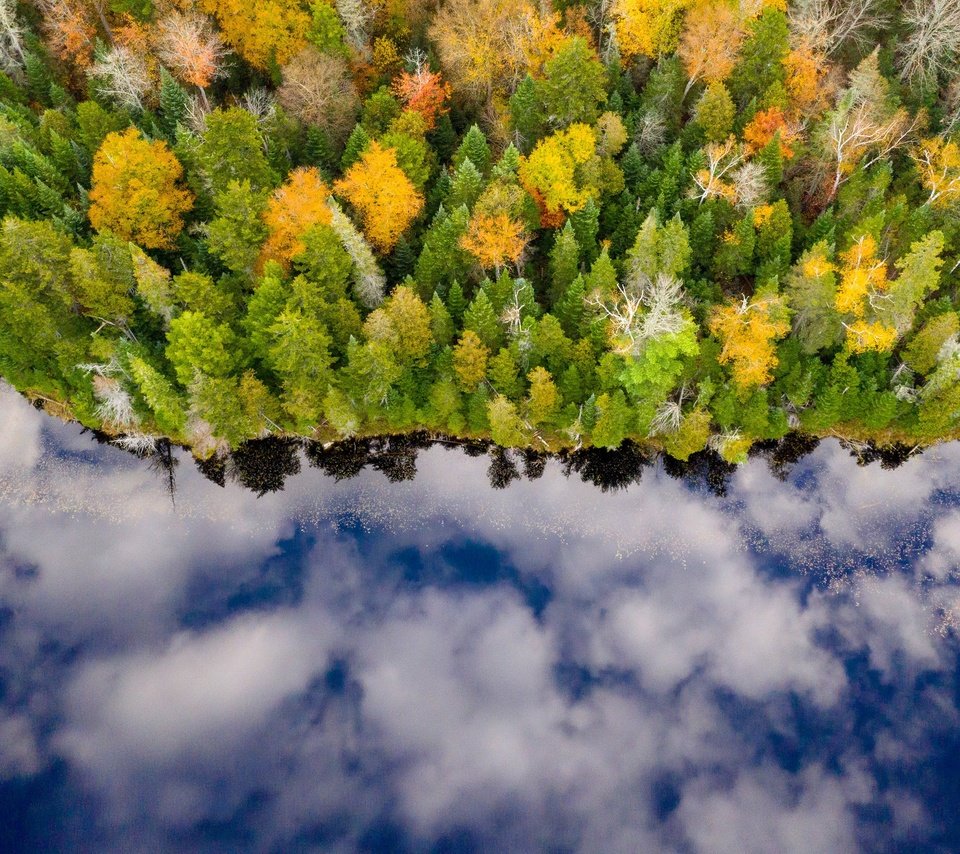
pixel 137 192
pixel 383 196
pixel 494 240
pixel 291 211
pixel 424 92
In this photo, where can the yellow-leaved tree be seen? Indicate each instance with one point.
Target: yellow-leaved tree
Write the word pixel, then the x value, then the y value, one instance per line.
pixel 938 162
pixel 137 192
pixel 549 173
pixel 261 32
pixel 748 330
pixel 382 194
pixel 648 27
pixel 291 211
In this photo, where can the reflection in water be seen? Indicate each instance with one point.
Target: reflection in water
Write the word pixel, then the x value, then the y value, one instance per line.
pixel 365 647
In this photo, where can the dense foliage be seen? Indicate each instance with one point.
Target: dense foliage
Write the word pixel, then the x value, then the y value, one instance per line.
pixel 693 223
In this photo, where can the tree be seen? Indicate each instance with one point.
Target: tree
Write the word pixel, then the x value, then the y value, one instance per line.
pixel 423 91
pixel 318 90
pixel 368 279
pixel 190 48
pixel 475 148
pixel 403 322
pixel 382 194
pixel 238 231
pixel 122 76
pixel 158 391
pixel 550 172
pixel 828 25
pixel 481 318
pixel 232 149
pixel 938 162
pixel 291 211
pixel 327 32
pixel 711 42
pixel 715 112
pixel 137 192
pixel 12 32
pixel 262 32
pixel 544 399
pixel 197 344
pixel 748 330
pixel 470 360
pixel 574 85
pixel 932 42
pixel 648 27
pixel 506 427
pixel 713 180
pixel 761 67
pixel 862 129
pixel 811 291
pixel 494 240
pixel 481 43
pixel 564 261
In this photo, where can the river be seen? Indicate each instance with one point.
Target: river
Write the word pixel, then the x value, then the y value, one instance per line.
pixel 386 647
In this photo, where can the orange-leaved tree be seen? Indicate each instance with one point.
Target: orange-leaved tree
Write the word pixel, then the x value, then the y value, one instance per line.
pixel 291 211
pixel 382 194
pixel 424 92
pixel 494 240
pixel 711 41
pixel 137 192
pixel 190 47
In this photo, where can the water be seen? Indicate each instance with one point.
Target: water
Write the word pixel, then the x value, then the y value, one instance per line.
pixel 761 660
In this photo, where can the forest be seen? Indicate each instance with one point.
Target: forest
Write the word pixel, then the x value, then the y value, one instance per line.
pixel 693 224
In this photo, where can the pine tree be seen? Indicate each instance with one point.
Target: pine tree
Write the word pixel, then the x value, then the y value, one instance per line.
pixel 475 148
pixel 586 225
pixel 480 318
pixel 356 143
pixel 508 164
pixel 174 103
pixel 526 119
pixel 466 186
pixel 319 151
pixel 564 262
pixel 569 310
pixel 441 323
pixel 456 301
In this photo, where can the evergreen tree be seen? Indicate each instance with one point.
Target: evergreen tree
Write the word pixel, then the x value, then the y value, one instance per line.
pixel 474 148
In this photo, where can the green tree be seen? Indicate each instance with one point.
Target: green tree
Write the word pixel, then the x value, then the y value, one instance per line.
pixel 506 426
pixel 197 344
pixel 574 85
pixel 237 232
pixel 232 150
pixel 480 318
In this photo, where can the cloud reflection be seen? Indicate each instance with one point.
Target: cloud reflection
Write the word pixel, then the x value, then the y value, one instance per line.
pixel 435 665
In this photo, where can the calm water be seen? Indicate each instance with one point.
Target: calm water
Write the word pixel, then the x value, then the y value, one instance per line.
pixel 764 660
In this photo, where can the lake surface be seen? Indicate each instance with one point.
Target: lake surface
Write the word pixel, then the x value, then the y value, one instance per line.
pixel 496 654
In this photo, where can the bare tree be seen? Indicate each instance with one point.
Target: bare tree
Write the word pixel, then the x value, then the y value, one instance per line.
pixel 123 77
pixel 933 42
pixel 641 309
pixel 827 25
pixel 318 90
pixel 357 15
pixel 711 181
pixel 11 38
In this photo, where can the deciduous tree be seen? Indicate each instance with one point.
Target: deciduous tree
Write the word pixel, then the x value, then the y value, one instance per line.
pixel 137 192
pixel 382 194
